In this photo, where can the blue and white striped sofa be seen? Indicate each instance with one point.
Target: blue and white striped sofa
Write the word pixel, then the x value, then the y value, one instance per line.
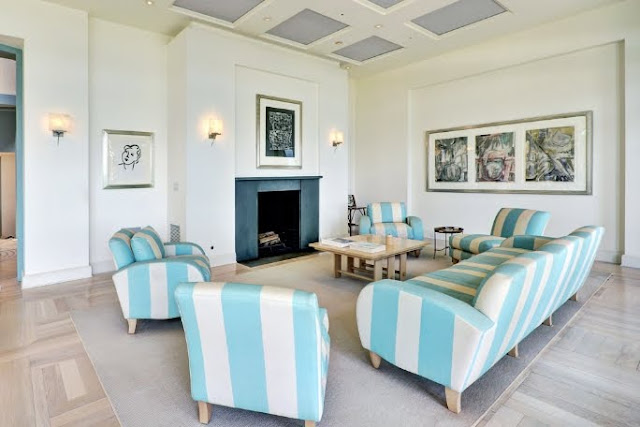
pixel 390 218
pixel 253 347
pixel 508 222
pixel 146 288
pixel 451 326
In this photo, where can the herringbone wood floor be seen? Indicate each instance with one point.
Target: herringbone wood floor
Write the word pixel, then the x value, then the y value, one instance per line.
pixel 589 375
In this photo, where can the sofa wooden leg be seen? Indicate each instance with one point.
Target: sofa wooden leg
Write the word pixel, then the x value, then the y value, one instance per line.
pixel 375 359
pixel 309 423
pixel 204 412
pixel 417 253
pixel 514 351
pixel 453 400
pixel 132 325
pixel 574 297
pixel 455 261
pixel 548 321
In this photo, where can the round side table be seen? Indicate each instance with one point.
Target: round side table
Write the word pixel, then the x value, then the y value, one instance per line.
pixel 447 231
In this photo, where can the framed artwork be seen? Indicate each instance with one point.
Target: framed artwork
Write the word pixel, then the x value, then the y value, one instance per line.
pixel 127 159
pixel 547 155
pixel 279 132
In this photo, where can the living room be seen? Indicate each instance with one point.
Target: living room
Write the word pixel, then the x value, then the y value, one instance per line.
pixel 190 88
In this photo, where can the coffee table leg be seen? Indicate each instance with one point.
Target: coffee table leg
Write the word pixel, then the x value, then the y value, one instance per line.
pixel 350 264
pixel 391 267
pixel 377 270
pixel 403 266
pixel 337 265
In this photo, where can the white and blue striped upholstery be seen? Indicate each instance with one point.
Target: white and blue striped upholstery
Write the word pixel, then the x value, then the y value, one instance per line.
pixel 508 222
pixel 147 245
pixel 390 218
pixel 146 289
pixel 253 347
pixel 453 325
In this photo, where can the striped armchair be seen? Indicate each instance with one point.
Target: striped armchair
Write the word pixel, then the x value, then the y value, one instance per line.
pixel 146 288
pixel 451 326
pixel 509 222
pixel 390 218
pixel 253 347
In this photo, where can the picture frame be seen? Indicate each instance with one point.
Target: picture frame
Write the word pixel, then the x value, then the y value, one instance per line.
pixel 539 155
pixel 127 159
pixel 278 132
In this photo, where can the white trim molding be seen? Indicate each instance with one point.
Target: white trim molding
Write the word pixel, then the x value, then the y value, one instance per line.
pixel 631 261
pixel 52 277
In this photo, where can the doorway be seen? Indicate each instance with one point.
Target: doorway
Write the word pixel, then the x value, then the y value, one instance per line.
pixel 11 244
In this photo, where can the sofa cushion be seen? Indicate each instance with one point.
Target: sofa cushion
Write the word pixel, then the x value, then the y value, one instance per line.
pixel 474 243
pixel 147 245
pixel 395 229
pixel 120 246
pixel 387 212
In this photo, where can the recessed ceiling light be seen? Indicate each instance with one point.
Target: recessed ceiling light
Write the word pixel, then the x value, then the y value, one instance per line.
pixel 266 19
pixel 347 67
pixel 149 2
pixel 338 43
pixel 378 26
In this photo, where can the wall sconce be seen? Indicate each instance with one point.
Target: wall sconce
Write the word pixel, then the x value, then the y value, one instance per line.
pixel 337 138
pixel 59 124
pixel 215 129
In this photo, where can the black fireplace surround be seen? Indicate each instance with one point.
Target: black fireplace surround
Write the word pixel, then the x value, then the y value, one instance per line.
pixel 288 206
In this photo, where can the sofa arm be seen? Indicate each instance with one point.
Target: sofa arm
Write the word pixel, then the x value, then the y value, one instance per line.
pixel 416 225
pixel 146 289
pixel 172 249
pixel 365 225
pixel 531 243
pixel 419 329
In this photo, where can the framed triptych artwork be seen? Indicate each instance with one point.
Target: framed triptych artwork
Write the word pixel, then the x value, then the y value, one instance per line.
pixel 550 155
pixel 279 132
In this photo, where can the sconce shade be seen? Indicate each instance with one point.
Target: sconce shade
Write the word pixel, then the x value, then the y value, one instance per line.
pixel 337 138
pixel 59 123
pixel 215 128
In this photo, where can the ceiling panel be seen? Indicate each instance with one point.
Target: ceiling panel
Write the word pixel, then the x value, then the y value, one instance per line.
pixel 385 3
pixel 224 10
pixel 458 15
pixel 367 49
pixel 306 27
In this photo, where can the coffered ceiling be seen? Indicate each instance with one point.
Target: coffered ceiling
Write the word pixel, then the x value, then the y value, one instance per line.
pixel 365 36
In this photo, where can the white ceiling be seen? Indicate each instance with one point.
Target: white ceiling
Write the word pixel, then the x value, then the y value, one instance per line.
pixel 364 18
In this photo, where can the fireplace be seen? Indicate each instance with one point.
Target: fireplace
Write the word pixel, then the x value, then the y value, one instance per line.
pixel 275 216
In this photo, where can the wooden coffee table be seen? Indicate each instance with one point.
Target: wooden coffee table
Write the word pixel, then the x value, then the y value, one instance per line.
pixel 399 247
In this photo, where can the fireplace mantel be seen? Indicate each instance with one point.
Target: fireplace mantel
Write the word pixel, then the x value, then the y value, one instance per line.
pixel 247 190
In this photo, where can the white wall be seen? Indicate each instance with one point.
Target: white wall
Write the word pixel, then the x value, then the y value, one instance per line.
pixel 128 91
pixel 56 208
pixel 223 74
pixel 584 80
pixel 395 108
pixel 7 76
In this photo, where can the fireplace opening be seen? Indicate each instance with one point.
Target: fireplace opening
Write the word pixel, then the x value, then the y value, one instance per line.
pixel 278 222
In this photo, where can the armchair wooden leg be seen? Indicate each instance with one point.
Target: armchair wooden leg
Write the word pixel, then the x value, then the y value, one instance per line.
pixel 132 325
pixel 514 351
pixel 375 359
pixel 453 400
pixel 417 253
pixel 309 424
pixel 574 297
pixel 548 321
pixel 455 261
pixel 204 412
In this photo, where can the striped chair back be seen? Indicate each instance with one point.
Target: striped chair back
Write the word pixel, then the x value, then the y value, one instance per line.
pixel 120 246
pixel 255 347
pixel 387 212
pixel 511 222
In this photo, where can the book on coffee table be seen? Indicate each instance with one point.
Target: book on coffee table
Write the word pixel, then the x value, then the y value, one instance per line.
pixel 338 242
pixel 367 247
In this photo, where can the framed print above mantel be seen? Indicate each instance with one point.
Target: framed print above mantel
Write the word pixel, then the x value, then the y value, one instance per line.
pixel 545 155
pixel 279 132
pixel 127 159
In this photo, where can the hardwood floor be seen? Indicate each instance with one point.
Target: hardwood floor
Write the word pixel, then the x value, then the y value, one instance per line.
pixel 589 375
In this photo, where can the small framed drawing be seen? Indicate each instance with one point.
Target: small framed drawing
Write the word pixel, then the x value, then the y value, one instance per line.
pixel 127 159
pixel 279 132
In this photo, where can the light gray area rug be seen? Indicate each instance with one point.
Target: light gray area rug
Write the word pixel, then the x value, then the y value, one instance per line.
pixel 146 375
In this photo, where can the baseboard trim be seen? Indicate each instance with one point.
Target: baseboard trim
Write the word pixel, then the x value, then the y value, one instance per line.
pixel 53 277
pixel 612 257
pixel 105 266
pixel 631 261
